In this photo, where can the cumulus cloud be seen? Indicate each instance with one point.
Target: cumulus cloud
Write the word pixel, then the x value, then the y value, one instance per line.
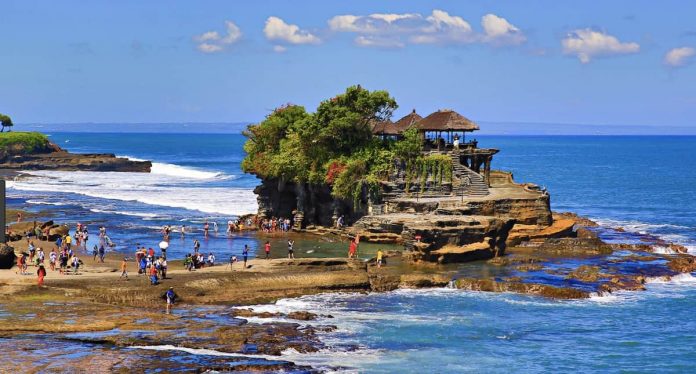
pixel 587 44
pixel 439 27
pixel 498 30
pixel 278 30
pixel 212 41
pixel 677 57
pixel 279 48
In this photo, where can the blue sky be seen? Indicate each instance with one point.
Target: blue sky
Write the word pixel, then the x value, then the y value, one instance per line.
pixel 603 63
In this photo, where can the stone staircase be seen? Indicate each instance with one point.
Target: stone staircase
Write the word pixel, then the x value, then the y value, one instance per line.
pixel 471 184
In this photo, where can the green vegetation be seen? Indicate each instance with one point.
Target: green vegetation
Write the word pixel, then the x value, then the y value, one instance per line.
pixel 335 146
pixel 22 142
pixel 5 121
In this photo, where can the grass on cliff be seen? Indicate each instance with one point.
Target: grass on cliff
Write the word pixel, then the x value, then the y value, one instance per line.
pixel 23 142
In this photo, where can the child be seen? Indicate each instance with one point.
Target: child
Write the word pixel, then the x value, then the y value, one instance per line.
pixel 124 269
pixel 379 258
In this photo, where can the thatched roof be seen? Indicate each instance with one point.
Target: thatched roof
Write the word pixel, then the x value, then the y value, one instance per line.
pixel 446 120
pixel 398 127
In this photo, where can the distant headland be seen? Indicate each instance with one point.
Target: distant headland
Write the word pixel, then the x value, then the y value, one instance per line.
pixel 34 151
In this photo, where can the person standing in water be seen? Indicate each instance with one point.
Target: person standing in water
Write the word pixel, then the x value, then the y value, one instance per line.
pixel 291 249
pixel 183 231
pixel 170 296
pixel 267 248
pixel 352 249
pixel 206 228
pixel 196 245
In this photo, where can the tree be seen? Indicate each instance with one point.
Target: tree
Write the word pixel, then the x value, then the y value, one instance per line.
pixel 6 121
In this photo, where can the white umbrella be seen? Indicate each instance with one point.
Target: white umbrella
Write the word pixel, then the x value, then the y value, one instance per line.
pixel 163 245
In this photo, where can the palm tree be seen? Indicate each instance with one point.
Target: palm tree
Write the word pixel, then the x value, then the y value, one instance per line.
pixel 6 121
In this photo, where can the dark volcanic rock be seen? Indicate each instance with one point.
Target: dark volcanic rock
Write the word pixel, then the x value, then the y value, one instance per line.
pixel 58 159
pixel 7 257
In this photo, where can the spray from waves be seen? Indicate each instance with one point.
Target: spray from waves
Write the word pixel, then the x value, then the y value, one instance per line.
pixel 41 202
pixel 125 213
pixel 160 168
pixel 325 359
pixel 677 234
pixel 146 188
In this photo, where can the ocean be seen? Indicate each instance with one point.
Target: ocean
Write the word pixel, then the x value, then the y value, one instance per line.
pixel 643 184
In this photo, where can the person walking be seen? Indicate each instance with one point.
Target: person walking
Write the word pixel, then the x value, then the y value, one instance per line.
pixel 124 269
pixel 380 255
pixel 153 275
pixel 41 273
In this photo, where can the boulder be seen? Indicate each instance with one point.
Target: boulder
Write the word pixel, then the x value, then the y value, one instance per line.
pixel 7 256
pixel 58 231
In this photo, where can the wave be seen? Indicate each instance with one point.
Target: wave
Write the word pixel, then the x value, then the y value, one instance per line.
pixel 151 189
pixel 41 202
pixel 161 168
pixel 132 214
pixel 657 230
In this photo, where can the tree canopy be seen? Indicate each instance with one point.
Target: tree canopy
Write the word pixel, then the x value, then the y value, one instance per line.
pixel 5 121
pixel 333 146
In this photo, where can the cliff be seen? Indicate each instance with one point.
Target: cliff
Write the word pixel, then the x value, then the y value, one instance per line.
pixel 33 151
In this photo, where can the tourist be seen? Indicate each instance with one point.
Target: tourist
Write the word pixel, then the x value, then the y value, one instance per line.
pixel 206 228
pixel 163 266
pixel 188 262
pixel 41 273
pixel 143 265
pixel 291 249
pixel 380 255
pixel 233 260
pixel 32 251
pixel 52 258
pixel 340 222
pixel 75 263
pixel 20 264
pixel 68 241
pixel 63 262
pixel 170 296
pixel 40 256
pixel 95 252
pixel 352 249
pixel 230 227
pixel 153 276
pixel 183 231
pixel 102 252
pixel 245 253
pixel 124 269
pixel 196 245
pixel 211 259
pixel 19 217
pixel 267 249
pixel 59 243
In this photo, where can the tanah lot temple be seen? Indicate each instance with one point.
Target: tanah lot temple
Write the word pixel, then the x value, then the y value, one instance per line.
pixel 462 213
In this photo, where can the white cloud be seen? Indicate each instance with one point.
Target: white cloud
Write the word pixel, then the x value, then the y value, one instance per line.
pixel 440 27
pixel 206 36
pixel 279 48
pixel 212 41
pixel 679 56
pixel 375 41
pixel 276 29
pixel 498 30
pixel 209 48
pixel 588 43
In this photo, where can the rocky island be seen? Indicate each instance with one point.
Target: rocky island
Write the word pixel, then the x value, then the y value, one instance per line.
pixel 34 151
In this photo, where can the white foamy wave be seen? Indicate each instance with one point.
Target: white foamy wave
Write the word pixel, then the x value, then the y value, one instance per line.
pixel 684 278
pixel 132 214
pixel 147 188
pixel 324 359
pixel 637 226
pixel 41 202
pixel 179 171
pixel 184 172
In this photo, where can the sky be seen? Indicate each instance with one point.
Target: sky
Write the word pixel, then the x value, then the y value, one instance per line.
pixel 610 63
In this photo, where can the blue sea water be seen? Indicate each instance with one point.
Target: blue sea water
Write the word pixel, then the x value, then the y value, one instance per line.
pixel 642 184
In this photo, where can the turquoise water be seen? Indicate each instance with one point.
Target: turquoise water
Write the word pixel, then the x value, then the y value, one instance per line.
pixel 643 184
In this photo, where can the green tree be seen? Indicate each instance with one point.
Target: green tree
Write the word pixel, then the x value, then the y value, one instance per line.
pixel 5 121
